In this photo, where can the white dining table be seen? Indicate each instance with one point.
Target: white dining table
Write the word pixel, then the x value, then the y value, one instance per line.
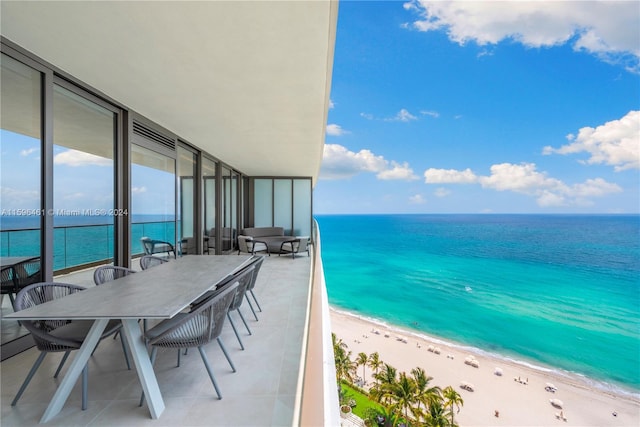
pixel 160 292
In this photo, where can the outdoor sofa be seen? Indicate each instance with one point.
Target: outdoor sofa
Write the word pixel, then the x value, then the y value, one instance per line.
pixel 275 240
pixel 273 237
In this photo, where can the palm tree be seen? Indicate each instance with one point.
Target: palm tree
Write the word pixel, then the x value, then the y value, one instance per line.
pixel 338 344
pixel 383 378
pixel 437 416
pixel 361 360
pixel 344 366
pixel 402 394
pixel 452 397
pixel 374 362
pixel 425 394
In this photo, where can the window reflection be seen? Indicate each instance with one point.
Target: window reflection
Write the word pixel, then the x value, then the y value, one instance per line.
pixel 209 202
pixel 186 197
pixel 229 209
pixel 83 180
pixel 152 197
pixel 20 175
pixel 284 203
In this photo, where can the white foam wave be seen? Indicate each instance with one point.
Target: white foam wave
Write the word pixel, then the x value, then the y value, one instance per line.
pixel 573 377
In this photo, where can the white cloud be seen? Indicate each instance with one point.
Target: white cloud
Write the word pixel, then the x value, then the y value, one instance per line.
pixel 138 190
pixel 28 151
pixel 609 30
pixel 335 130
pixel 340 163
pixel 449 176
pixel 595 188
pixel 522 178
pixel 525 179
pixel 402 116
pixel 331 104
pixel 441 192
pixel 615 143
pixel 14 198
pixel 417 199
pixel 80 158
pixel 397 171
pixel 433 114
pixel 74 196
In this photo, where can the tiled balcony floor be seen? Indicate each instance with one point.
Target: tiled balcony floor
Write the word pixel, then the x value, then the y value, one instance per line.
pixel 261 392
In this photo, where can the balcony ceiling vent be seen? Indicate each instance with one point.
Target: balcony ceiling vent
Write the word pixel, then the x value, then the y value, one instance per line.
pixel 152 135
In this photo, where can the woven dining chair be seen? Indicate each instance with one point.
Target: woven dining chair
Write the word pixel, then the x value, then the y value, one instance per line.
pixel 27 273
pixel 152 247
pixel 107 273
pixel 243 277
pixel 8 284
pixel 148 261
pixel 56 335
pixel 195 329
pixel 256 262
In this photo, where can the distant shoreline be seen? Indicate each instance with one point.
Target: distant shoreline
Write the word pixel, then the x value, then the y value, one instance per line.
pixel 621 390
pixel 526 402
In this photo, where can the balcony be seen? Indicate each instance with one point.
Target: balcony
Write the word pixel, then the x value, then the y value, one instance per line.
pixel 78 245
pixel 284 377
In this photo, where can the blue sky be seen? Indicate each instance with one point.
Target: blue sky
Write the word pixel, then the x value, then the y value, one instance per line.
pixel 483 107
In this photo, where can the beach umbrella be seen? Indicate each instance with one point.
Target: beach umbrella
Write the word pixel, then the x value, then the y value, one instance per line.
pixel 498 371
pixel 557 403
pixel 466 385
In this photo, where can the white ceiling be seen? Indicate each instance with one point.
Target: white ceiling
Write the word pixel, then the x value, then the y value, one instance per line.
pixel 246 81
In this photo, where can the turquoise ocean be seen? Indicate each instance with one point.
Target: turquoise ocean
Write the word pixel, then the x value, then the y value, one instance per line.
pixel 555 292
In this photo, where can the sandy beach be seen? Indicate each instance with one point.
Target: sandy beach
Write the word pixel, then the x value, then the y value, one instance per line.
pixel 523 402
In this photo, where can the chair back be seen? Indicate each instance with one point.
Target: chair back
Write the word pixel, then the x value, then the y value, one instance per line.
pixel 201 325
pixel 243 277
pixel 148 261
pixel 107 273
pixel 7 282
pixel 242 243
pixel 304 244
pixel 37 294
pixel 147 245
pixel 256 263
pixel 27 273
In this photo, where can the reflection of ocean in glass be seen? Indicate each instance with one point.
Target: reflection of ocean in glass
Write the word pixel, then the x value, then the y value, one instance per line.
pixel 79 239
pixel 555 290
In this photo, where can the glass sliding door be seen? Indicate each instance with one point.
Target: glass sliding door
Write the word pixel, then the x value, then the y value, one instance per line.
pixel 229 209
pixel 153 197
pixel 302 207
pixel 209 203
pixel 283 202
pixel 187 199
pixel 84 135
pixel 282 207
pixel 263 202
pixel 20 177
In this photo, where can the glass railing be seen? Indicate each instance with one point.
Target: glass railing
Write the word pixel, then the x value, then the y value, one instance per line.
pixel 77 245
pixel 317 393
